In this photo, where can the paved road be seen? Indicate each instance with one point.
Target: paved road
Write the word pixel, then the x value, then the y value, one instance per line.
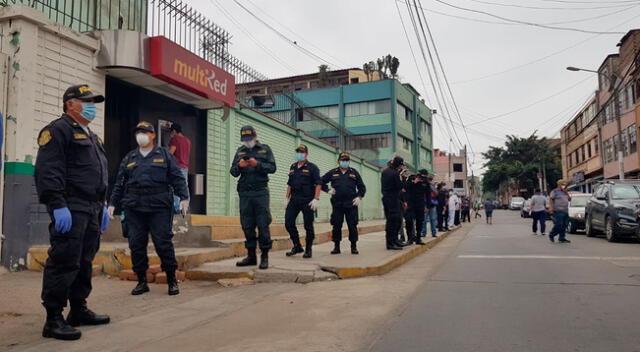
pixel 503 289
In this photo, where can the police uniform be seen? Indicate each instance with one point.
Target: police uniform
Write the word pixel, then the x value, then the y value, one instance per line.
pixel 391 184
pixel 416 201
pixel 348 185
pixel 144 189
pixel 254 195
pixel 303 181
pixel 71 172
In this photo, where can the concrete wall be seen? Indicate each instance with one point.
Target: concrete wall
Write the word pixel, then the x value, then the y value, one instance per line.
pixel 223 141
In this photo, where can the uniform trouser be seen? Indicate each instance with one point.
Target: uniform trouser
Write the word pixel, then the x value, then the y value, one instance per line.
pixel 441 218
pixel 342 211
pixel 159 223
pixel 67 272
pixel 295 206
pixel 255 213
pixel 466 215
pixel 393 214
pixel 414 221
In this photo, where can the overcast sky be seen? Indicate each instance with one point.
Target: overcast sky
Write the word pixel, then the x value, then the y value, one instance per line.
pixel 351 32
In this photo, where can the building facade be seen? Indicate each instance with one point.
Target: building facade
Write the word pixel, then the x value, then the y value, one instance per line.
pixel 451 169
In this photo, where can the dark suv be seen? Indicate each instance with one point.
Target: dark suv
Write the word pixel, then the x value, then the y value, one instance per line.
pixel 613 209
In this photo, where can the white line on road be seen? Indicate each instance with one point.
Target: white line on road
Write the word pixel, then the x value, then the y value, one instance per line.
pixel 545 257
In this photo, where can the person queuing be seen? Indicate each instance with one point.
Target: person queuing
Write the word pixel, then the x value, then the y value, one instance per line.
pixel 71 180
pixel 254 162
pixel 303 194
pixel 454 206
pixel 418 190
pixel 391 200
pixel 539 212
pixel 180 147
pixel 431 213
pixel 442 207
pixel 347 191
pixel 559 209
pixel 406 213
pixel 148 178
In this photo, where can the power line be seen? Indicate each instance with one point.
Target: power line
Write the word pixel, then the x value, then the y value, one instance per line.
pixel 548 8
pixel 525 22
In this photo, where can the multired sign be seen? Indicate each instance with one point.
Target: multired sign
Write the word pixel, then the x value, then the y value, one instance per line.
pixel 174 64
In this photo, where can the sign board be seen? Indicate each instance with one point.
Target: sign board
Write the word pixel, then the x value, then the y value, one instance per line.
pixel 578 177
pixel 172 63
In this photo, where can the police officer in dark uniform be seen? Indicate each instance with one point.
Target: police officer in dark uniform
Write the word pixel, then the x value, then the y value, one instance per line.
pixel 347 192
pixel 147 179
pixel 417 190
pixel 303 195
pixel 254 162
pixel 392 202
pixel 71 180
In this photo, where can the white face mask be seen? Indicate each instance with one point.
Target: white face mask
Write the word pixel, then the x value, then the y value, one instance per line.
pixel 250 144
pixel 142 139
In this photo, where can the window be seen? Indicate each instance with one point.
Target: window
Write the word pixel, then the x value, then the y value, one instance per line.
pixel 582 152
pixel 597 145
pixel 625 192
pixel 588 145
pixel 623 142
pixel 425 128
pixel 274 90
pixel 355 80
pixel 603 78
pixel 404 112
pixel 315 84
pixel 253 91
pixel 616 146
pixel 406 143
pixel 630 98
pixel 608 151
pixel 569 163
pixel 633 139
pixel 300 86
pixel 457 167
pixel 369 141
pixel 367 108
pixel 330 111
pixel 458 184
pixel 577 157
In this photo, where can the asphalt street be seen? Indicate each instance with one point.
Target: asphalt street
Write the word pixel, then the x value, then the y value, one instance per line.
pixel 504 289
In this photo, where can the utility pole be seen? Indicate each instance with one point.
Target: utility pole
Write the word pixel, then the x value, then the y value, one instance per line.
pixel 544 175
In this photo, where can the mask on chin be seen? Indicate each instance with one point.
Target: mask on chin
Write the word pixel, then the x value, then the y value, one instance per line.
pixel 249 144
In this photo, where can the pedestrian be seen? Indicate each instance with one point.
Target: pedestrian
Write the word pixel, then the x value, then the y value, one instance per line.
pixel 347 191
pixel 303 195
pixel 391 186
pixel 148 178
pixel 431 213
pixel 488 211
pixel 180 147
pixel 71 180
pixel 559 209
pixel 539 212
pixel 476 208
pixel 254 162
pixel 417 190
pixel 454 207
pixel 466 209
pixel 406 214
pixel 442 205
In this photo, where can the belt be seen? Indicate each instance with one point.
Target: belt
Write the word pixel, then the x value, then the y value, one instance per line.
pixel 147 190
pixel 70 193
pixel 252 187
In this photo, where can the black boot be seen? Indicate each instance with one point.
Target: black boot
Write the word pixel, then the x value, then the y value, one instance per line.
pixel 308 250
pixel 142 286
pixel 173 283
pixel 264 259
pixel 250 260
pixel 336 248
pixel 419 241
pixel 81 315
pixel 58 328
pixel 297 248
pixel 354 248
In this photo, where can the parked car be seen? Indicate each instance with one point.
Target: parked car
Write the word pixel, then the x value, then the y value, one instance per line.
pixel 516 203
pixel 577 207
pixel 526 209
pixel 613 209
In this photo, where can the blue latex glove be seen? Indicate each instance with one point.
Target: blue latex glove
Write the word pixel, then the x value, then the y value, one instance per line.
pixel 63 221
pixel 105 219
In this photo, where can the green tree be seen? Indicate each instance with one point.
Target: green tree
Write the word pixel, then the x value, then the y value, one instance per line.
pixel 323 75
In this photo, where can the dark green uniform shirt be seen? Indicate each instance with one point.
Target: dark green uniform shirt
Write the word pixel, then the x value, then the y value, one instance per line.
pixel 253 178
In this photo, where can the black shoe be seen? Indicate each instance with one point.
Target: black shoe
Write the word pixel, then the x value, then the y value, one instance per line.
pixel 142 286
pixel 295 250
pixel 84 316
pixel 564 241
pixel 264 260
pixel 250 260
pixel 336 248
pixel 393 247
pixel 172 282
pixel 552 238
pixel 419 242
pixel 434 235
pixel 56 327
pixel 354 249
pixel 308 250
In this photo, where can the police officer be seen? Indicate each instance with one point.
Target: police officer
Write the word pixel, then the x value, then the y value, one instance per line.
pixel 418 189
pixel 391 184
pixel 303 195
pixel 71 180
pixel 254 162
pixel 147 179
pixel 346 194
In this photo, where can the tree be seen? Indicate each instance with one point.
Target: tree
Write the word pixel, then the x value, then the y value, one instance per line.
pixel 393 67
pixel 386 66
pixel 323 75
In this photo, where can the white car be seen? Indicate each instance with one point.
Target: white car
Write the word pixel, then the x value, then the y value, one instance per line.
pixel 516 203
pixel 577 207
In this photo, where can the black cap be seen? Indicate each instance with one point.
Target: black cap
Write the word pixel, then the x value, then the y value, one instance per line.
pixel 81 91
pixel 247 133
pixel 344 156
pixel 302 149
pixel 424 172
pixel 397 161
pixel 144 126
pixel 176 127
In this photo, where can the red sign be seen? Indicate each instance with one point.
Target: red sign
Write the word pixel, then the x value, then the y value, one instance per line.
pixel 174 64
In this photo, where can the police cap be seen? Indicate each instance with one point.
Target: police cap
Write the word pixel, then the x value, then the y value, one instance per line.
pixel 247 133
pixel 144 126
pixel 83 92
pixel 344 156
pixel 302 149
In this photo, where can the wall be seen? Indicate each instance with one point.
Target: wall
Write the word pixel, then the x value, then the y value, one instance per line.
pixel 223 141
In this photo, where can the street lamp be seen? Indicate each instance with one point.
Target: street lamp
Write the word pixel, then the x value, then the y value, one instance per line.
pixel 616 110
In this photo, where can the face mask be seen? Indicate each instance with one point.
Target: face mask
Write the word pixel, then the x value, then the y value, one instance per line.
pixel 344 164
pixel 89 111
pixel 142 139
pixel 300 156
pixel 249 144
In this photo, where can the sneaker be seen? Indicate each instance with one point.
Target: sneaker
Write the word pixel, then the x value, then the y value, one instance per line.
pixel 564 241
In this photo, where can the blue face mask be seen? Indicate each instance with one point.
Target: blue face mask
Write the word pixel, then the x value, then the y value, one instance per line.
pixel 344 164
pixel 300 156
pixel 89 111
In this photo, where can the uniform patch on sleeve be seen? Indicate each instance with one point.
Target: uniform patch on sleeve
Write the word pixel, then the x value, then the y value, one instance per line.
pixel 352 175
pixel 335 175
pixel 158 160
pixel 131 164
pixel 80 136
pixel 262 151
pixel 242 153
pixel 305 170
pixel 44 138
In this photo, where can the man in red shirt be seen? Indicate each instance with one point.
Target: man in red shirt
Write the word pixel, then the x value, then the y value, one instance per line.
pixel 180 147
